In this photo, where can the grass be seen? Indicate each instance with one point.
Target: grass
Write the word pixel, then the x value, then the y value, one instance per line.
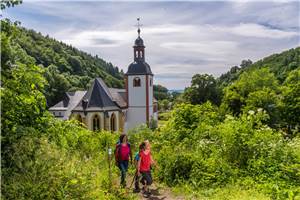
pixel 226 193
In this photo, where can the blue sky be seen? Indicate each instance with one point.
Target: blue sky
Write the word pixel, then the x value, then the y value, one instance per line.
pixel 181 38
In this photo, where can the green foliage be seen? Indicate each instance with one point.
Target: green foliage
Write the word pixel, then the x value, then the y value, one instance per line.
pixel 160 92
pixel 249 91
pixel 66 66
pixel 203 88
pixel 280 64
pixel 164 105
pixel 212 152
pixel 42 157
pixel 67 162
pixel 291 99
pixel 9 3
pixel 23 104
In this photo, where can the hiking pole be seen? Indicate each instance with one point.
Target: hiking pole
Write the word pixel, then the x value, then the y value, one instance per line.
pixel 133 179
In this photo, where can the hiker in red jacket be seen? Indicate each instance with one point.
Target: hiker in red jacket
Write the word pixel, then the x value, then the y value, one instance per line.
pixel 144 167
pixel 122 154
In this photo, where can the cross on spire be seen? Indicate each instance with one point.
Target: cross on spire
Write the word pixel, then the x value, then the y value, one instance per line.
pixel 138 25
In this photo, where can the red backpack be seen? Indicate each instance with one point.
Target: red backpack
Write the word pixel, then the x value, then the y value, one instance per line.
pixel 118 153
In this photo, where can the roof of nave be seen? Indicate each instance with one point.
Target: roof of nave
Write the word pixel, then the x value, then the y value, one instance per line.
pixel 100 97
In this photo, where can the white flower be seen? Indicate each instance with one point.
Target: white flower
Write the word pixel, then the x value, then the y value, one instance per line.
pixel 259 110
pixel 251 112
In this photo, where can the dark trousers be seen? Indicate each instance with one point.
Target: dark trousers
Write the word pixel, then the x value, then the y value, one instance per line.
pixel 123 166
pixel 136 181
pixel 146 178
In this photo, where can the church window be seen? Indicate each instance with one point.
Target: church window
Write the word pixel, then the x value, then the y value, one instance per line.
pixel 96 123
pixel 79 118
pixel 113 122
pixel 136 82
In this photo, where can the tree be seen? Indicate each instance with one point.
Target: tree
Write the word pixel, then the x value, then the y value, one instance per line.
pixel 203 88
pixel 160 92
pixel 251 89
pixel 266 99
pixel 246 63
pixel 175 95
pixel 9 3
pixel 291 99
pixel 57 85
pixel 163 104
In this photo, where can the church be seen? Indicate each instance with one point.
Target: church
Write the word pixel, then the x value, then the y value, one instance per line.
pixel 114 109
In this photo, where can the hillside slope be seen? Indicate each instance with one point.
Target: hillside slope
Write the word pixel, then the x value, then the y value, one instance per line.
pixel 67 68
pixel 280 64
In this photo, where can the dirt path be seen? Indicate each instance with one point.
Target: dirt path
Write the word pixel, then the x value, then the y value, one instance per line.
pixel 157 192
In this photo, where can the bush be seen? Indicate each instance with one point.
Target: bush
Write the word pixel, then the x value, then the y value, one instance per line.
pixel 213 153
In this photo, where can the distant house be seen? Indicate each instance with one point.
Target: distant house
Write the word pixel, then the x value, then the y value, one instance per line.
pixel 114 109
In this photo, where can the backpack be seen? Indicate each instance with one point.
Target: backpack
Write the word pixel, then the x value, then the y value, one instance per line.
pixel 136 159
pixel 117 151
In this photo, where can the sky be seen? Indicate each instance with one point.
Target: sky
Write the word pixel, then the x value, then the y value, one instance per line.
pixel 182 38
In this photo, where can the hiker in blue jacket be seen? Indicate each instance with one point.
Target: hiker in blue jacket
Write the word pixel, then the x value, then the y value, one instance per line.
pixel 136 160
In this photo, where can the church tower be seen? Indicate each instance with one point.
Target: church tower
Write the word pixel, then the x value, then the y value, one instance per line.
pixel 139 87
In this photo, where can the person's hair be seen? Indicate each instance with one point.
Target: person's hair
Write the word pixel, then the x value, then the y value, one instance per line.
pixel 122 138
pixel 142 146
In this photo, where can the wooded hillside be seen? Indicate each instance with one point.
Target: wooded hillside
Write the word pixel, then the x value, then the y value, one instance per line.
pixel 67 68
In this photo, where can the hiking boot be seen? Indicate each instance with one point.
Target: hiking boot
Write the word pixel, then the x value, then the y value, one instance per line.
pixel 136 190
pixel 147 194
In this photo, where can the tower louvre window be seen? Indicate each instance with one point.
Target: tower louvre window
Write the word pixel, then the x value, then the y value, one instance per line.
pixel 136 82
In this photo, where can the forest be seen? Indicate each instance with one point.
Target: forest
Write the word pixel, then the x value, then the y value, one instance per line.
pixel 235 136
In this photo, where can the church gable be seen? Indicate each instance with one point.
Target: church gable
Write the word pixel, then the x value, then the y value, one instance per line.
pixel 98 97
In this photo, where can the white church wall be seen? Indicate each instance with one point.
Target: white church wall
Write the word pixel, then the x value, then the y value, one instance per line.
pixel 150 96
pixel 137 95
pixel 137 101
pixel 135 117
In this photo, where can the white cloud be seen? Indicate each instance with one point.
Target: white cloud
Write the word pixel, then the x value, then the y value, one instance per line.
pixel 212 48
pixel 181 38
pixel 256 30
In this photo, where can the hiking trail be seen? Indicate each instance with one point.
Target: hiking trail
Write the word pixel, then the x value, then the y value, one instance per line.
pixel 157 192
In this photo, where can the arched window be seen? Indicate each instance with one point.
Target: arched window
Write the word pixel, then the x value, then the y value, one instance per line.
pixel 113 121
pixel 96 123
pixel 136 82
pixel 150 81
pixel 79 118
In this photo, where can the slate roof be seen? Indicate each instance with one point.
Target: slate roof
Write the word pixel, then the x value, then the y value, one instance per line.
pixel 139 67
pixel 139 42
pixel 70 100
pixel 119 96
pixel 97 98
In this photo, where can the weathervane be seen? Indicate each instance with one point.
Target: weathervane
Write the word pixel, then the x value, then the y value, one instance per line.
pixel 138 25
